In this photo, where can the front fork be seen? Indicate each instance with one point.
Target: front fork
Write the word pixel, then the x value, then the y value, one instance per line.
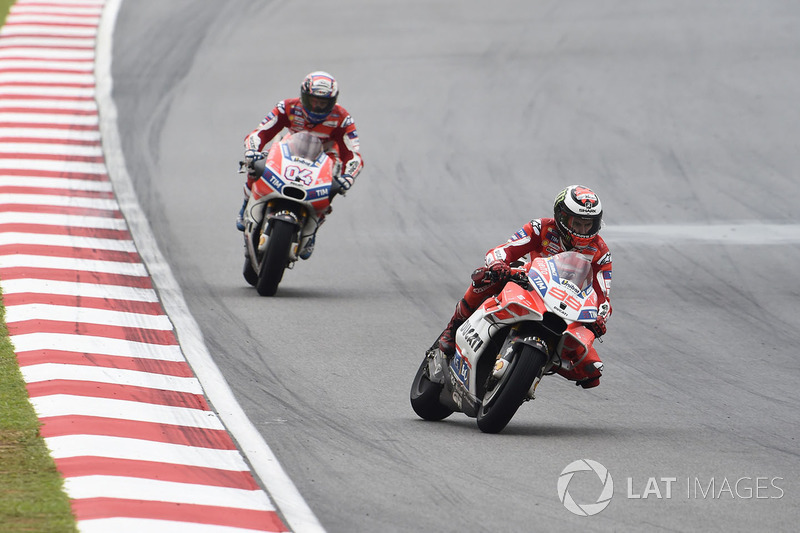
pixel 518 336
pixel 273 211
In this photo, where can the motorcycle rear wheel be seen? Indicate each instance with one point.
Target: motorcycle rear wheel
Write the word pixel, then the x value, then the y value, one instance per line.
pixel 275 258
pixel 425 396
pixel 501 403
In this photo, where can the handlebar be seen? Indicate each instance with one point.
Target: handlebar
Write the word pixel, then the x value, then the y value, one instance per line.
pixel 254 164
pixel 518 276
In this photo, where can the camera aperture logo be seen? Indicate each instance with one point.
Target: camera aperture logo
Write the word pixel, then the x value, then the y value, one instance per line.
pixel 585 509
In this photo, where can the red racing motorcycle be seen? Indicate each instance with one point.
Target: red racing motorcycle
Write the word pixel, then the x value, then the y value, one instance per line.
pixel 286 207
pixel 534 327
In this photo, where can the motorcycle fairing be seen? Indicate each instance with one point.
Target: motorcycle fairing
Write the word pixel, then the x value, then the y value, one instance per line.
pixel 296 178
pixel 567 293
pixel 515 305
pixel 538 282
pixel 471 340
pixel 574 345
pixel 298 161
pixel 273 184
pixel 512 305
pixel 314 188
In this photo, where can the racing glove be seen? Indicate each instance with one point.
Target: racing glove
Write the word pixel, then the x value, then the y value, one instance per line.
pixel 496 271
pixel 250 157
pixel 345 181
pixel 598 327
pixel 499 271
pixel 480 277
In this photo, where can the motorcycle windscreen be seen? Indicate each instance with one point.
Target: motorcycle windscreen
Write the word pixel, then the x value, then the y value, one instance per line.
pixel 305 146
pixel 573 267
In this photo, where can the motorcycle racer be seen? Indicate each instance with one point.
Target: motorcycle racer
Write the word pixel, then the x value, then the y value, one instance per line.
pixel 576 222
pixel 315 111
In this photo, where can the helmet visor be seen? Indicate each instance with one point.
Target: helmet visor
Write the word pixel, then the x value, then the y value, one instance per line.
pixel 583 226
pixel 317 106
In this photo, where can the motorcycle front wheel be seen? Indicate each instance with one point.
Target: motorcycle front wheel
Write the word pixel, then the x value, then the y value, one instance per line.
pixel 501 402
pixel 249 273
pixel 275 258
pixel 425 396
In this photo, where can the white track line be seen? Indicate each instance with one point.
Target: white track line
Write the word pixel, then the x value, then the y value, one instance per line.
pixel 54 183
pixel 70 288
pixel 33 89
pixel 88 344
pixel 64 405
pixel 165 491
pixel 54 133
pixel 69 263
pixel 86 315
pixel 142 450
pixel 49 71
pixel 148 380
pixel 739 233
pixel 47 117
pixel 71 241
pixel 59 201
pixel 137 525
pixel 46 54
pixel 11 29
pixel 294 508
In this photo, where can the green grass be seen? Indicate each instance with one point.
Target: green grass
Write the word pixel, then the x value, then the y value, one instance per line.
pixel 32 498
pixel 4 7
pixel 31 489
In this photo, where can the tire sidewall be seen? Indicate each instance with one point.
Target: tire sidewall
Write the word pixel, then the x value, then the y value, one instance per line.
pixel 527 365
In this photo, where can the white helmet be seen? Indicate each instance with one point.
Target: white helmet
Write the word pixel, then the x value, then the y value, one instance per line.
pixel 318 94
pixel 578 215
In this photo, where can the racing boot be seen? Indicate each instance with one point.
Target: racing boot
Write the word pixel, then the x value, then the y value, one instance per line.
pixel 240 216
pixel 447 342
pixel 246 191
pixel 588 373
pixel 308 249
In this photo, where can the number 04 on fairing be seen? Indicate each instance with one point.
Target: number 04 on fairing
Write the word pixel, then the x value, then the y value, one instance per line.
pixel 287 205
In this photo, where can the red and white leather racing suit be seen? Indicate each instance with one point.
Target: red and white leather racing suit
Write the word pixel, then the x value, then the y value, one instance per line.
pixel 540 238
pixel 337 133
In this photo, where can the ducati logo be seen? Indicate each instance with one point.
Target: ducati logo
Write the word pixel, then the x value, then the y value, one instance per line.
pixel 471 336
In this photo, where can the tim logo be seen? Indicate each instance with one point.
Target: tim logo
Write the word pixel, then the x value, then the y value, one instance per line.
pixel 539 282
pixel 319 193
pixel 276 183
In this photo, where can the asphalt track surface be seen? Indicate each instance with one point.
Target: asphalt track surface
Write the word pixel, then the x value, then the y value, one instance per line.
pixel 681 115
